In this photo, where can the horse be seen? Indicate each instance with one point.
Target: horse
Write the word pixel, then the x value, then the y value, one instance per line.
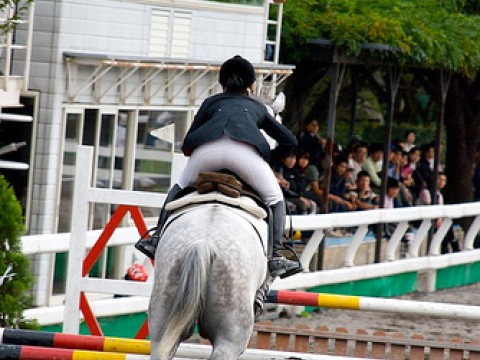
pixel 210 262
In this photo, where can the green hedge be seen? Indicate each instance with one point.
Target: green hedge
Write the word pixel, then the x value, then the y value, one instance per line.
pixel 15 277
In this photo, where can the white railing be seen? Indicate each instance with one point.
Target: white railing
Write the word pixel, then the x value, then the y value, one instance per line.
pixel 79 240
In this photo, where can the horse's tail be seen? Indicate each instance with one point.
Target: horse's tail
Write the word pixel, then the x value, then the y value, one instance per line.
pixel 189 299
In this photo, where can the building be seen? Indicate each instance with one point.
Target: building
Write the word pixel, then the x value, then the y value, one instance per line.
pixel 106 73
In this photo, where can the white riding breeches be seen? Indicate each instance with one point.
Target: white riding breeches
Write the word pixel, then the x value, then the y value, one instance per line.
pixel 240 158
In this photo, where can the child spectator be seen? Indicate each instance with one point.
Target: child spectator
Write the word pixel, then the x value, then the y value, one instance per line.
pixel 339 196
pixel 365 198
pixel 390 202
pixel 302 165
pixel 293 186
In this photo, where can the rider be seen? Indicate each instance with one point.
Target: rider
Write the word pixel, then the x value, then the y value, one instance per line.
pixel 225 134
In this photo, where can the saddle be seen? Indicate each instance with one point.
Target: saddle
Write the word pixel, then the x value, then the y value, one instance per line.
pixel 227 184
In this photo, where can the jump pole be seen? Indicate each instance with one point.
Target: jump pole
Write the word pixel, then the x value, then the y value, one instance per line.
pixel 445 310
pixel 18 344
pixel 73 341
pixel 28 352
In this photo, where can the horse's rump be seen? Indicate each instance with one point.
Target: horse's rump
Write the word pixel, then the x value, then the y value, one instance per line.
pixel 208 266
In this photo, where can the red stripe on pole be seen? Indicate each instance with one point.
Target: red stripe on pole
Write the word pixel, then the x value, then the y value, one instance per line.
pixel 42 353
pixel 74 341
pixel 295 298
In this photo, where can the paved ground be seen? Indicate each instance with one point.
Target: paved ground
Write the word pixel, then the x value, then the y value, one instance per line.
pixel 430 327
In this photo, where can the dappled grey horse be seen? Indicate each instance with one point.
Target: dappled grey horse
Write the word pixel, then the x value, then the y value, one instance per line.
pixel 208 266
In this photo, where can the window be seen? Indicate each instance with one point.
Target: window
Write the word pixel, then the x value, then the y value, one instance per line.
pixel 170 33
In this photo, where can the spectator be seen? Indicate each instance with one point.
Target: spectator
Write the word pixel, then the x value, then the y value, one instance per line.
pixel 393 188
pixel 395 162
pixel 409 140
pixel 390 202
pixel 364 197
pixel 407 172
pixel 339 196
pixel 293 186
pixel 423 174
pixel 413 157
pixel 311 142
pixel 302 165
pixel 359 155
pixel 426 199
pixel 373 165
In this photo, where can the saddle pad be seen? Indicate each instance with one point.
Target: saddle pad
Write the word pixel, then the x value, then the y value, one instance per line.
pixel 243 202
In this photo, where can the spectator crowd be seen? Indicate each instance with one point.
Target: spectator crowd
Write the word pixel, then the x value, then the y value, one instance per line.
pixel 355 177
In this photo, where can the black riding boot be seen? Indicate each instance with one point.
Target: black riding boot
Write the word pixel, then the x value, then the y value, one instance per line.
pixel 278 265
pixel 148 246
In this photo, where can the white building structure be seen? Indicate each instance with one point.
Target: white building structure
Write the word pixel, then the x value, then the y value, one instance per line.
pixel 107 72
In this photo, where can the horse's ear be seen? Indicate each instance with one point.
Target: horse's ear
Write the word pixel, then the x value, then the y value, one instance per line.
pixel 278 105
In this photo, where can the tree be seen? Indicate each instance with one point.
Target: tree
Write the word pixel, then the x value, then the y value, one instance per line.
pixel 19 7
pixel 423 36
pixel 15 277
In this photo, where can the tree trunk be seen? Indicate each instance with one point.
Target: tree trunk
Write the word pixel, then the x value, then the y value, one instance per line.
pixel 462 125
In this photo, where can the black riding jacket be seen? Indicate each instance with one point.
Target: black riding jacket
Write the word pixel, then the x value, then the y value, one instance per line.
pixel 239 117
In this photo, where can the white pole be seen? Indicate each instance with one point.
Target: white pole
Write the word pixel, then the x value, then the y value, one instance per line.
pixel 78 239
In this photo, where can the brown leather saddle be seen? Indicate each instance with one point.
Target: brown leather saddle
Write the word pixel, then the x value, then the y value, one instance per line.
pixel 228 184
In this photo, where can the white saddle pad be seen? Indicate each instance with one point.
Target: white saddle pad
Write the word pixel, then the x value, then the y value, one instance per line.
pixel 244 202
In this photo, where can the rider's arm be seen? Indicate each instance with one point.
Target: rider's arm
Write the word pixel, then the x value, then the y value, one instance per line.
pixel 281 134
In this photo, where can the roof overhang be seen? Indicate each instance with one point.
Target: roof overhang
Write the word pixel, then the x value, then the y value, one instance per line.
pixel 154 80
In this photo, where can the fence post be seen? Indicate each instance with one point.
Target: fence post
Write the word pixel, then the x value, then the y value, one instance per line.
pixel 78 239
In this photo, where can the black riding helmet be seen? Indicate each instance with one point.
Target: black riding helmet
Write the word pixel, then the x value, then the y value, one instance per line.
pixel 237 73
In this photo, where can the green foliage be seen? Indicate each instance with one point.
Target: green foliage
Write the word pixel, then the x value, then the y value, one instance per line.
pixel 20 6
pixel 242 2
pixel 430 33
pixel 15 277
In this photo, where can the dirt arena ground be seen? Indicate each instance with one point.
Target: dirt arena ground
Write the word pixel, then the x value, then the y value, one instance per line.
pixel 430 327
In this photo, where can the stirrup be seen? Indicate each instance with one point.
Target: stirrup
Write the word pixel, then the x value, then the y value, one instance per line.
pixel 282 267
pixel 288 247
pixel 147 245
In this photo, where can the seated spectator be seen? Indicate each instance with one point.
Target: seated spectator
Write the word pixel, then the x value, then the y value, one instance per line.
pixel 302 165
pixel 425 199
pixel 359 155
pixel 311 142
pixel 395 164
pixel 373 165
pixel 364 197
pixel 293 186
pixel 423 174
pixel 339 196
pixel 390 202
pixel 408 168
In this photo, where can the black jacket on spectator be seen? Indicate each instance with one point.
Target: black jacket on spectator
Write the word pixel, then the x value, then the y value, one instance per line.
pixel 423 174
pixel 239 117
pixel 311 144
